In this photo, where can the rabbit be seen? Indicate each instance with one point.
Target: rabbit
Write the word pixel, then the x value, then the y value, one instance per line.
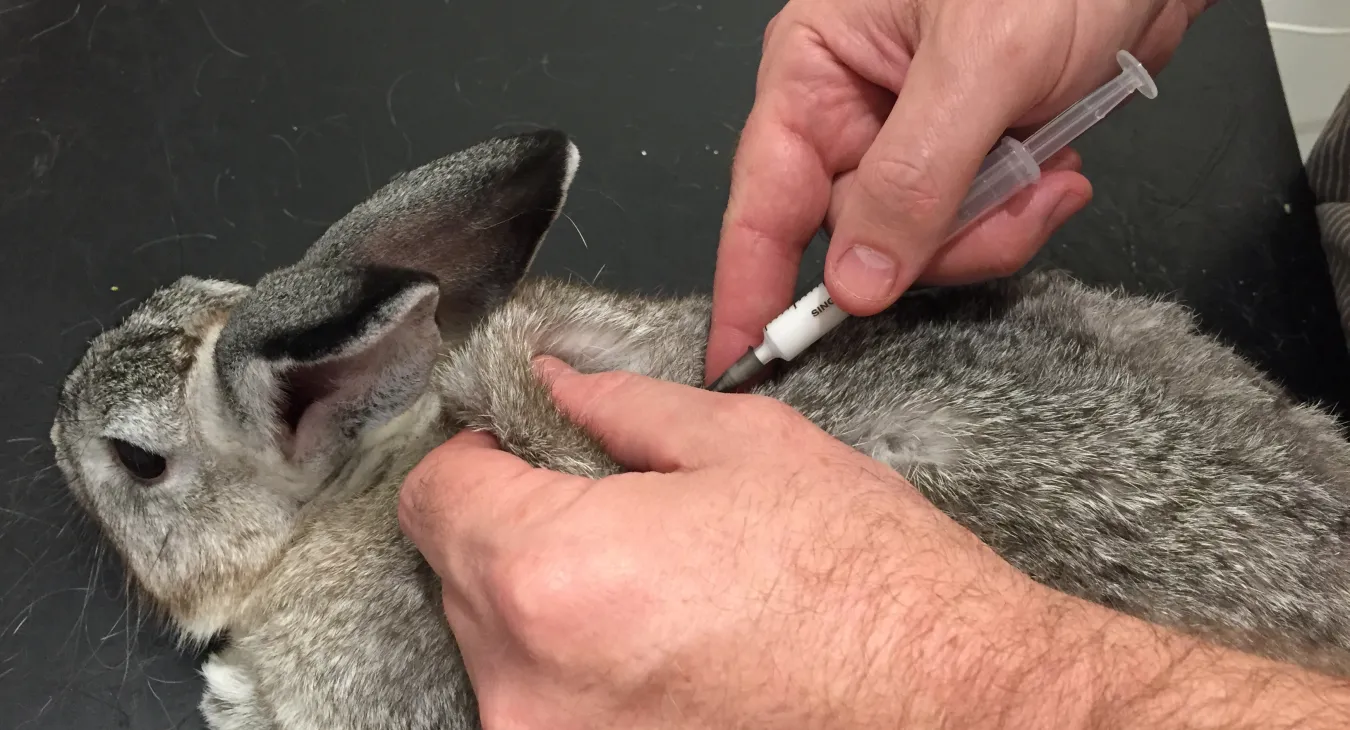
pixel 242 448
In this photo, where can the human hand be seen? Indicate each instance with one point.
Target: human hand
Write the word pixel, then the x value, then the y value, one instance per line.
pixel 758 574
pixel 873 116
pixel 751 571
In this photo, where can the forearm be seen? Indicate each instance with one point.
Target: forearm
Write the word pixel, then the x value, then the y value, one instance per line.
pixel 1002 652
pixel 1078 665
pixel 1154 678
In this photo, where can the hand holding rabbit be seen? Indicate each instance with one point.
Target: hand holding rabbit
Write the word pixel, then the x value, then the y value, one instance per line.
pixel 614 602
pixel 752 571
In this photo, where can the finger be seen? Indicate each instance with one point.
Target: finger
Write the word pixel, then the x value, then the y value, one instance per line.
pixel 1007 240
pixel 779 193
pixel 644 424
pixel 812 118
pixel 1159 42
pixel 1066 159
pixel 898 212
pixel 467 496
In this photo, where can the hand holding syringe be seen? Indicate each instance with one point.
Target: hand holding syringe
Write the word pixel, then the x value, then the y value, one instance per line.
pixel 1011 167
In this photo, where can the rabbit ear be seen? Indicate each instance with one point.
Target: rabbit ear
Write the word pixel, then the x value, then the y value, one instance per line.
pixel 316 356
pixel 474 220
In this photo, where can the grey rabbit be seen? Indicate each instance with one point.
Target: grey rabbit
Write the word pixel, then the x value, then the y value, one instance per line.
pixel 242 448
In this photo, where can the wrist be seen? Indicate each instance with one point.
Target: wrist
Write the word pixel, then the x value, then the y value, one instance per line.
pixel 1126 673
pixel 1162 679
pixel 997 650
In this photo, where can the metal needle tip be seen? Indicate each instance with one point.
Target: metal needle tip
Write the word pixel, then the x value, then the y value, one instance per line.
pixel 737 375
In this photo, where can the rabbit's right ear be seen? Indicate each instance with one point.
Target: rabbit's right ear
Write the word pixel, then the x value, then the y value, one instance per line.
pixel 315 357
pixel 473 220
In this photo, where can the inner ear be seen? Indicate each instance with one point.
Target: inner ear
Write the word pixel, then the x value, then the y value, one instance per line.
pixel 315 357
pixel 305 399
pixel 342 393
pixel 301 388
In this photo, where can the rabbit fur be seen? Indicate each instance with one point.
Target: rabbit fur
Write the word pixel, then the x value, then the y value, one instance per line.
pixel 1097 441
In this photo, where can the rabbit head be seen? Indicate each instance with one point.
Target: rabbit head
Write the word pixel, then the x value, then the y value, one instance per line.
pixel 197 430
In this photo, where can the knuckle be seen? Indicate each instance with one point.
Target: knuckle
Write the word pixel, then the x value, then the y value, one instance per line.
pixel 580 398
pixel 501 707
pixel 407 509
pixel 792 24
pixel 616 380
pixel 493 712
pixel 768 30
pixel 518 585
pixel 412 498
pixel 594 389
pixel 510 703
pixel 554 602
pixel 903 186
pixel 539 595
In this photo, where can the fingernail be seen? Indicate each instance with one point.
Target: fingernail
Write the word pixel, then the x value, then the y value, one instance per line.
pixel 865 273
pixel 548 368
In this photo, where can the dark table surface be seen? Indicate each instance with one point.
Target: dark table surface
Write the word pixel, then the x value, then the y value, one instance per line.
pixel 144 140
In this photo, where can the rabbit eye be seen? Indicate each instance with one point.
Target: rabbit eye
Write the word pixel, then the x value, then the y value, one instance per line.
pixel 141 463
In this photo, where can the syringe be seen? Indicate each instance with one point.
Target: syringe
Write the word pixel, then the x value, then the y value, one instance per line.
pixel 1011 167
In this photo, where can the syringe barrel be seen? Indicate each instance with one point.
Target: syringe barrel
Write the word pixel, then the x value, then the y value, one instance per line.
pixel 1079 118
pixel 1005 171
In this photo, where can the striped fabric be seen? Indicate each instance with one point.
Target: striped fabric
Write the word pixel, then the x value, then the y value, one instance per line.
pixel 1329 175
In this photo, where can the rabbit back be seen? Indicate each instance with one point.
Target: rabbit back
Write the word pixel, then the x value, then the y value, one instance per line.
pixel 1106 448
pixel 1097 441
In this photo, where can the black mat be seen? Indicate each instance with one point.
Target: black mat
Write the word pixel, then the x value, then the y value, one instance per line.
pixel 143 140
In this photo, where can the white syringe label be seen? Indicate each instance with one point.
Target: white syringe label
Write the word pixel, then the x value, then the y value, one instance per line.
pixel 803 323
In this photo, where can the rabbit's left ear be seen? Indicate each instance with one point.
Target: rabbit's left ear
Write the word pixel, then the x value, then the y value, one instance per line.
pixel 473 220
pixel 314 357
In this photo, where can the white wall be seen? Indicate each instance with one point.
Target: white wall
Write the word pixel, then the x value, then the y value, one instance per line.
pixel 1315 69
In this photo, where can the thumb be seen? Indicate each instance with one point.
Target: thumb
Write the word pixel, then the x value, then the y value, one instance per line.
pixel 651 425
pixel 900 210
